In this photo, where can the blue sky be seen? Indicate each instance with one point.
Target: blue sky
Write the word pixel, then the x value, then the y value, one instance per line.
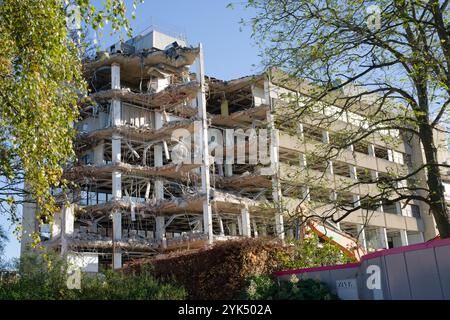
pixel 229 52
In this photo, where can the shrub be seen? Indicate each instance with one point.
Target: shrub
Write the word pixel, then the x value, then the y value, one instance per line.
pixel 260 288
pixel 46 279
pixel 113 285
pixel 219 272
pixel 269 288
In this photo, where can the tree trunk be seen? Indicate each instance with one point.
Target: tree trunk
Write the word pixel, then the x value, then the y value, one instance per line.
pixel 437 204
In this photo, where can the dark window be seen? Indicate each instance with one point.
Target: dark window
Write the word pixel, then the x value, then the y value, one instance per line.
pixel 310 133
pixel 361 147
pixel 316 163
pixel 363 174
pixel 381 153
pixel 389 207
pixel 415 211
pixel 345 200
pixel 341 169
pixel 369 204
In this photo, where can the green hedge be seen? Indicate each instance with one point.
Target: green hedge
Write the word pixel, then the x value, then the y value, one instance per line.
pixel 270 288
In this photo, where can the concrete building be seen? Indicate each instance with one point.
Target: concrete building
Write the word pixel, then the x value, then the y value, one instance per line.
pixel 135 198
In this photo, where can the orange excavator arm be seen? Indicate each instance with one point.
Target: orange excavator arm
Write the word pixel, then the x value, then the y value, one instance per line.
pixel 345 242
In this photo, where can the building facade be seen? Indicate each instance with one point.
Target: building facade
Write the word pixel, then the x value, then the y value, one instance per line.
pixel 168 159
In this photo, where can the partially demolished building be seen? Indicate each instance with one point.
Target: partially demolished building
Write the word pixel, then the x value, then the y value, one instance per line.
pixel 134 197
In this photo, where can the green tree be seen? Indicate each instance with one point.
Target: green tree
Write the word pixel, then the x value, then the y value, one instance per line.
pixel 312 252
pixel 40 81
pixel 386 60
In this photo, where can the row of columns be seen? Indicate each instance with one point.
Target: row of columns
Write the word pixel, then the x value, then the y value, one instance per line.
pixel 160 234
pixel 382 237
pixel 244 227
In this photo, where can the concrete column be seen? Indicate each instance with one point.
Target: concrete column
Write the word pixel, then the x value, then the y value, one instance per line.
pixel 325 137
pixel 228 170
pixel 116 196
pixel 330 168
pixel 200 225
pixel 371 150
pixel 302 160
pixel 160 231
pixel 159 184
pixel 233 230
pixel 239 223
pixel 56 226
pixel 158 190
pixel 68 224
pixel 117 259
pixel 229 152
pixel 263 230
pixel 116 118
pixel 115 76
pixel 374 175
pixel 224 107
pixel 305 193
pixel 245 218
pixel 382 237
pixel 255 229
pixel 116 175
pixel 201 99
pixel 116 185
pixel 117 225
pixel 274 163
pixel 115 104
pixel 380 208
pixel 353 174
pixel 158 155
pixel 276 186
pixel 63 225
pixel 404 237
pixel 222 231
pixel 117 236
pixel 116 149
pixel 398 207
pixel 220 169
pixel 99 151
pixel 356 200
pixel 229 149
pixel 300 130
pixel 362 236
